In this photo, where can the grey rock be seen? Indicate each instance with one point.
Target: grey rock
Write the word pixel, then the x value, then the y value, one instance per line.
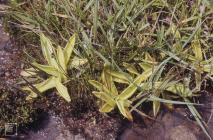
pixel 180 132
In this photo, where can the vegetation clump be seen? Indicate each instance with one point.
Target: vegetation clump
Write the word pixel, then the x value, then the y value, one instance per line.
pixel 56 68
pixel 137 51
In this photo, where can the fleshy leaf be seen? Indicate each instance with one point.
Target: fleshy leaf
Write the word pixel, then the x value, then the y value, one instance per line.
pixel 146 66
pixel 196 47
pixel 106 108
pixel 130 90
pixel 131 68
pixel 45 85
pixel 180 90
pixel 69 49
pixel 76 62
pixel 47 69
pixel 105 97
pixel 47 48
pixel 119 80
pixel 119 76
pixel 61 59
pixel 208 68
pixel 108 81
pixel 31 93
pixel 156 105
pixel 174 31
pixel 28 72
pixel 198 80
pixel 62 90
pixel 99 86
pixel 124 110
pixel 41 87
pixel 148 57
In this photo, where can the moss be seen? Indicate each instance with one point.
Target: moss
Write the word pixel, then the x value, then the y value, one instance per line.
pixel 14 108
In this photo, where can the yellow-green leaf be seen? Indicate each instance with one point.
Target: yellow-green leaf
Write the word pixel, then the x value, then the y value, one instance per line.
pixel 118 80
pixel 106 108
pixel 174 31
pixel 156 105
pixel 69 49
pixel 208 68
pixel 47 48
pixel 119 77
pixel 31 93
pixel 198 80
pixel 105 97
pixel 177 47
pixel 41 87
pixel 28 72
pixel 131 68
pixel 99 86
pixel 130 90
pixel 146 66
pixel 208 61
pixel 45 85
pixel 124 110
pixel 76 62
pixel 180 90
pixel 196 47
pixel 61 60
pixel 62 90
pixel 148 57
pixel 47 69
pixel 108 81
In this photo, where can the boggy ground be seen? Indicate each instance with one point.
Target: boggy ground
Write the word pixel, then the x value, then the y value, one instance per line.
pixel 169 125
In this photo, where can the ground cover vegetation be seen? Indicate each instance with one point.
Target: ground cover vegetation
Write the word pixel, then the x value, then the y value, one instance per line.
pixel 126 53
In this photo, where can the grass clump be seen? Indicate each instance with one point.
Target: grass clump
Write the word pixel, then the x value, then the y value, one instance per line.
pixel 124 39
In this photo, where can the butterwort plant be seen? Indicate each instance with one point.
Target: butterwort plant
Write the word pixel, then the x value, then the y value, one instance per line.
pixel 109 94
pixel 58 62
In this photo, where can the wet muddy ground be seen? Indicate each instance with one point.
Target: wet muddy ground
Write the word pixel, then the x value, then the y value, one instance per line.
pixel 175 125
